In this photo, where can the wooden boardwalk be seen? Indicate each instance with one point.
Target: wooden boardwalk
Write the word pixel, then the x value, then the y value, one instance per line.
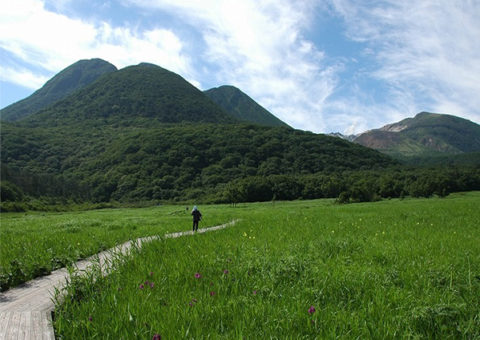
pixel 26 311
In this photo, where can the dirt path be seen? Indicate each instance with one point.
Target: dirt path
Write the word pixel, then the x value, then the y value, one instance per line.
pixel 26 311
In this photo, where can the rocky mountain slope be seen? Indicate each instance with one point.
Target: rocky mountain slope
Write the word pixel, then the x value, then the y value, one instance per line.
pixel 425 134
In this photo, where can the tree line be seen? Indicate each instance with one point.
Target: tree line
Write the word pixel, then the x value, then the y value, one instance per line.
pixel 346 186
pixel 208 163
pixel 166 162
pixel 355 186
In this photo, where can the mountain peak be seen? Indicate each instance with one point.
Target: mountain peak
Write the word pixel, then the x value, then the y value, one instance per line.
pixel 425 114
pixel 241 106
pixel 72 78
pixel 135 92
pixel 426 133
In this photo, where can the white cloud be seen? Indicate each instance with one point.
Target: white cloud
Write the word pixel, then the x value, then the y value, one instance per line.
pixel 258 46
pixel 39 37
pixel 22 77
pixel 427 52
pixel 424 54
pixel 52 41
pixel 255 45
pixel 355 114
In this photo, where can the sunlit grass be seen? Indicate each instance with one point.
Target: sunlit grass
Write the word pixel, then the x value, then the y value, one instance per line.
pixel 34 244
pixel 301 269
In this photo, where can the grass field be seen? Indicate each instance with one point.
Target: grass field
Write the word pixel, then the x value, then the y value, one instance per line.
pixel 34 244
pixel 304 269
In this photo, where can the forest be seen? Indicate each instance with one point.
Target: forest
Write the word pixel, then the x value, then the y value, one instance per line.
pixel 205 163
pixel 143 135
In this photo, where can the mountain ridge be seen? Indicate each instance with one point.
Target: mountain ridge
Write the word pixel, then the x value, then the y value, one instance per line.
pixel 145 133
pixel 131 94
pixel 425 134
pixel 241 106
pixel 83 73
pixel 72 78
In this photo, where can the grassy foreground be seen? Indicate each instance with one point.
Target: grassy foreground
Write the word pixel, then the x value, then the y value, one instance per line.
pixel 307 269
pixel 33 244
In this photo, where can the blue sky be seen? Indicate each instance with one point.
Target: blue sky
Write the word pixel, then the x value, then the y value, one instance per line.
pixel 323 66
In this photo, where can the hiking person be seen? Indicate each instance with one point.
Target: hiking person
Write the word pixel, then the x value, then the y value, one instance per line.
pixel 197 216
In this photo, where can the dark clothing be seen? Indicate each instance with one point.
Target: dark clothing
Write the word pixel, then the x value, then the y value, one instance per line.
pixel 197 216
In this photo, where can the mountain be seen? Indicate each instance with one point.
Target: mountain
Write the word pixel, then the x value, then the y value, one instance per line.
pixel 241 106
pixel 426 134
pixel 143 93
pixel 170 161
pixel 144 133
pixel 74 77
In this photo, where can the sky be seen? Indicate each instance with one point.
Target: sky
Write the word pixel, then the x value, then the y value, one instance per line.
pixel 319 65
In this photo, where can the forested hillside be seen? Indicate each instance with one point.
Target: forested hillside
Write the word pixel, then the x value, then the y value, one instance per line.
pixel 242 107
pixel 142 93
pixel 167 162
pixel 143 133
pixel 74 77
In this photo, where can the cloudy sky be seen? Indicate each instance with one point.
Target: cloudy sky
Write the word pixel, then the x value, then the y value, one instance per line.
pixel 319 65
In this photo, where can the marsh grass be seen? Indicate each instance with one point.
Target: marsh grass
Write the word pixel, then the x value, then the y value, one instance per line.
pixel 303 269
pixel 311 269
pixel 34 244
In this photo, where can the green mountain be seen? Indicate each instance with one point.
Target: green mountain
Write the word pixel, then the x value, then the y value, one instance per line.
pixel 427 134
pixel 242 107
pixel 74 77
pixel 143 93
pixel 170 161
pixel 144 133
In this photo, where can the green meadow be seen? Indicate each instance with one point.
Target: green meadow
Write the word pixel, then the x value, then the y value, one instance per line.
pixel 33 244
pixel 287 270
pixel 303 269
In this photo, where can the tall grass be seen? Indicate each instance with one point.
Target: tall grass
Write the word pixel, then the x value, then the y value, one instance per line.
pixel 33 244
pixel 311 269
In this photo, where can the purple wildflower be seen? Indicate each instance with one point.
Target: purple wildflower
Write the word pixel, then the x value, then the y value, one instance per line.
pixel 254 292
pixel 198 275
pixel 157 337
pixel 141 286
pixel 212 293
pixel 225 271
pixel 90 318
pixel 311 310
pixel 151 273
pixel 152 284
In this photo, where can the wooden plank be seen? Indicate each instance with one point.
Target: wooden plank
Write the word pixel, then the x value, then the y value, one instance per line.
pixel 36 325
pixel 13 326
pixel 24 327
pixel 4 321
pixel 48 332
pixel 25 311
